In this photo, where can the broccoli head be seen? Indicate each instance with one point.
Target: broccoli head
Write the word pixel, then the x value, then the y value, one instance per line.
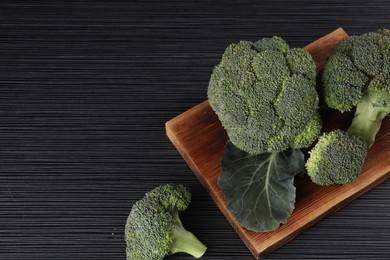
pixel 337 158
pixel 357 74
pixel 359 66
pixel 154 229
pixel 264 94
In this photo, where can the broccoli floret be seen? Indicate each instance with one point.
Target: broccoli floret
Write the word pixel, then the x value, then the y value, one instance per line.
pixel 356 74
pixel 336 152
pixel 264 94
pixel 154 229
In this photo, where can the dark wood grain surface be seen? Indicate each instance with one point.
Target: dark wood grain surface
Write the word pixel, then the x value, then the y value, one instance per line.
pixel 85 90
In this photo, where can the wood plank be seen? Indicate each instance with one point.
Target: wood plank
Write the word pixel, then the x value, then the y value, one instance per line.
pixel 199 137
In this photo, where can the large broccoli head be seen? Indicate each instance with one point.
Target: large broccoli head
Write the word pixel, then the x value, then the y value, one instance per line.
pixel 265 96
pixel 337 158
pixel 358 66
pixel 154 230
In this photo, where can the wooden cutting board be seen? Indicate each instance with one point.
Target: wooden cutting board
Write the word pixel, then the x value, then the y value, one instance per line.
pixel 199 137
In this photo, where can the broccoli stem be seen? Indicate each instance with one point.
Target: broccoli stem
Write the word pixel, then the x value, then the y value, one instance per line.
pixel 368 118
pixel 184 240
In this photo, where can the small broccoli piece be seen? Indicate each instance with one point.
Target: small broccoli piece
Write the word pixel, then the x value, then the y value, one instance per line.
pixel 336 152
pixel 264 94
pixel 357 75
pixel 154 229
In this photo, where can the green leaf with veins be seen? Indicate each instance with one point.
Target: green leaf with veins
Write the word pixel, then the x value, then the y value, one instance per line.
pixel 260 188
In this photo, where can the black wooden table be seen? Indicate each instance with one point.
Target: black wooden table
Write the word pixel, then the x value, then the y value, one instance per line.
pixel 85 90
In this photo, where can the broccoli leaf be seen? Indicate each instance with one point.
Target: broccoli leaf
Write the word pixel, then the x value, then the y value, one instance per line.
pixel 260 188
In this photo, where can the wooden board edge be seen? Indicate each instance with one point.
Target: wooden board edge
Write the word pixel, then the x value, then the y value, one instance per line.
pixel 339 31
pixel 181 150
pixel 217 200
pixel 172 137
pixel 336 35
pixel 338 203
pixel 183 114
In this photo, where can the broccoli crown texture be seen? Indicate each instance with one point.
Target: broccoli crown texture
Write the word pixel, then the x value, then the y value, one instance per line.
pixel 154 230
pixel 337 158
pixel 359 66
pixel 265 96
pixel 149 231
pixel 171 197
